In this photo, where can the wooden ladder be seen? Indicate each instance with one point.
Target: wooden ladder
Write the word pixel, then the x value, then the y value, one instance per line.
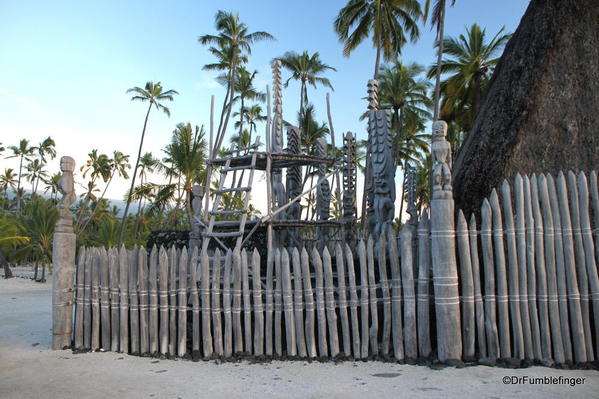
pixel 210 232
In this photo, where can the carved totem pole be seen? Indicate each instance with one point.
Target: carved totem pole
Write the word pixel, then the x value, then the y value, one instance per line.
pixel 279 195
pixel 63 260
pixel 293 183
pixel 349 187
pixel 197 193
pixel 370 220
pixel 323 193
pixel 381 182
pixel 445 274
pixel 411 194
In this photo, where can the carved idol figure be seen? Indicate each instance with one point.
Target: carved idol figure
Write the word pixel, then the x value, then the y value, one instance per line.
pixel 66 187
pixel 441 152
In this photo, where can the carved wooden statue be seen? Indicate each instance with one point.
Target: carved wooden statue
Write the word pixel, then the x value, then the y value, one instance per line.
pixel 67 188
pixel 411 193
pixel 197 193
pixel 383 169
pixel 279 194
pixel 293 182
pixel 323 193
pixel 349 186
pixel 441 158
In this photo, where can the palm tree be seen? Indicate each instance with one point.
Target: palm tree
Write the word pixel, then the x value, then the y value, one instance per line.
pixel 52 184
pixel 153 93
pixel 46 148
pixel 244 86
pixel 252 115
pixel 24 151
pixel 402 91
pixel 98 166
pixel 8 180
pixel 470 64
pixel 389 21
pixel 306 69
pixel 35 172
pixel 232 43
pixel 438 21
pixel 188 153
pixel 38 223
pixel 118 164
pixel 147 164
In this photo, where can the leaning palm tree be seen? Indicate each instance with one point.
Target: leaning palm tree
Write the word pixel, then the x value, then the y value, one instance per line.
pixel 437 21
pixel 306 69
pixel 24 152
pixel 188 153
pixel 390 22
pixel 470 64
pixel 232 43
pixel 152 93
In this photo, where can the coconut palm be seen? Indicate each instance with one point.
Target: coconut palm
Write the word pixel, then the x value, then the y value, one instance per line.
pixel 252 115
pixel 233 43
pixel 306 69
pixel 244 86
pixel 52 184
pixel 38 223
pixel 24 152
pixel 437 21
pixel 154 94
pixel 391 23
pixel 470 64
pixel 188 153
pixel 8 180
pixel 35 172
pixel 97 166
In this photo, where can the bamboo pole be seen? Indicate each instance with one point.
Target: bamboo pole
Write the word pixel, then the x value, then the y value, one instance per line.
pixel 288 304
pixel 544 328
pixel 581 268
pixel 124 303
pixel 489 278
pixel 531 271
pixel 353 302
pixel 467 299
pixel 228 344
pixel 345 333
pixel 182 300
pixel 478 299
pixel 113 265
pixel 329 289
pixel 80 298
pixel 95 299
pixel 501 278
pixel 554 311
pixel 580 354
pixel 163 299
pixel 423 300
pixel 258 308
pixel 309 298
pixel 323 350
pixel 589 251
pixel 172 301
pixel 562 291
pixel 142 276
pixel 382 268
pixel 278 304
pixel 364 303
pixel 153 294
pixel 522 276
pixel 215 306
pixel 247 306
pixel 513 271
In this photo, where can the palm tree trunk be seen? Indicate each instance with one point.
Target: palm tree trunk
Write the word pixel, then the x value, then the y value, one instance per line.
pixel 141 142
pixel 440 34
pixel 19 186
pixel 4 264
pixel 221 134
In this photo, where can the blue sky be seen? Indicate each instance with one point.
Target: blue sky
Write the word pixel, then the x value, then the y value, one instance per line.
pixel 65 65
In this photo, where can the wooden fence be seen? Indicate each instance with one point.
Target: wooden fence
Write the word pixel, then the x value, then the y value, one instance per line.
pixel 528 286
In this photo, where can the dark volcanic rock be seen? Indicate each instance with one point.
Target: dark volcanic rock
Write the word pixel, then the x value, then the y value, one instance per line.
pixel 541 111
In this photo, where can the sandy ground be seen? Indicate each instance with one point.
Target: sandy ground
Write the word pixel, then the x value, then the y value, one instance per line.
pixel 29 369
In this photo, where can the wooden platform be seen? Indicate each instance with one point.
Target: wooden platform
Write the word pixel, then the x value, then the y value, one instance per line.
pixel 279 161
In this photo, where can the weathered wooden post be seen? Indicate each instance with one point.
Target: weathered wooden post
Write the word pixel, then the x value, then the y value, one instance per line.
pixel 445 273
pixel 63 260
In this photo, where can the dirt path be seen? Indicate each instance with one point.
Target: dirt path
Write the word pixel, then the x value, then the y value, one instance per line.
pixel 29 369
